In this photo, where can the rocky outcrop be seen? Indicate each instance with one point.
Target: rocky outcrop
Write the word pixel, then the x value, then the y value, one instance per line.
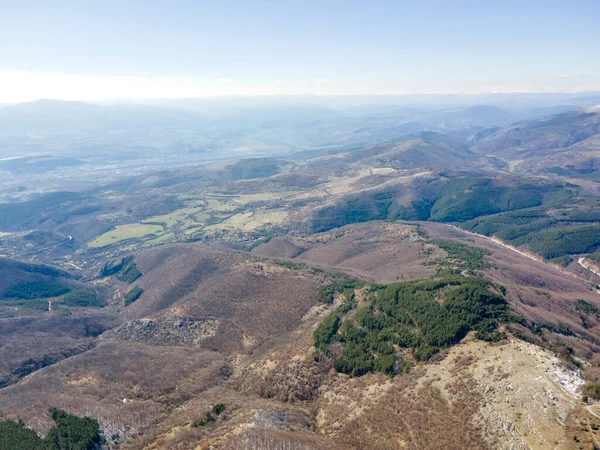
pixel 164 331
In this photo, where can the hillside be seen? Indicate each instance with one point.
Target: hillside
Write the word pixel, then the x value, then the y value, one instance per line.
pixel 316 225
pixel 225 301
pixel 422 291
pixel 421 150
pixel 16 273
pixel 214 325
pixel 32 336
pixel 556 141
pixel 542 135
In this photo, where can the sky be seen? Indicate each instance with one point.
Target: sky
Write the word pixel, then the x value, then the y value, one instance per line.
pixel 110 50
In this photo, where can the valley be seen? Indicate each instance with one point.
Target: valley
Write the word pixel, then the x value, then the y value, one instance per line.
pixel 432 287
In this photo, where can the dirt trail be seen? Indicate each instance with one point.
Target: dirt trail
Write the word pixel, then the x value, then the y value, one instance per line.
pixel 586 265
pixel 71 264
pixel 528 255
pixel 590 409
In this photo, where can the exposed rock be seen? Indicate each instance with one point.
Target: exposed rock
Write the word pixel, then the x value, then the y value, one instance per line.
pixel 162 331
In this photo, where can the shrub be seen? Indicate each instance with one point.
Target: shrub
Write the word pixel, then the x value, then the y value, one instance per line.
pixel 586 307
pixel 291 265
pixel 208 417
pixel 591 391
pixel 542 293
pixel 218 408
pixel 345 287
pixel 465 257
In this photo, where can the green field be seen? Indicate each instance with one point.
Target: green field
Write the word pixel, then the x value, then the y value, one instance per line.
pixel 192 230
pixel 124 232
pixel 249 221
pixel 172 218
pixel 249 198
pixel 219 205
pixel 160 239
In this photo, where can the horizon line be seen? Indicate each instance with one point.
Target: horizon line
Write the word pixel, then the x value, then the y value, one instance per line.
pixel 317 95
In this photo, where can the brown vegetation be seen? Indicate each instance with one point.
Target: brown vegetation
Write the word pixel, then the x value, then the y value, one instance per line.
pixel 216 325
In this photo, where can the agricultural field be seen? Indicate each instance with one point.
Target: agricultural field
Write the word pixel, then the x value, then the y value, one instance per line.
pixel 124 232
pixel 221 205
pixel 160 239
pixel 248 221
pixel 192 230
pixel 171 219
pixel 215 214
pixel 262 197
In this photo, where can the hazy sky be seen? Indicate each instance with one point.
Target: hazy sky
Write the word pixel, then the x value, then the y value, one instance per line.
pixel 90 50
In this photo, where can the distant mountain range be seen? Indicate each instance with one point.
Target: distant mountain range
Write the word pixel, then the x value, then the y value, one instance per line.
pixel 568 139
pixel 78 138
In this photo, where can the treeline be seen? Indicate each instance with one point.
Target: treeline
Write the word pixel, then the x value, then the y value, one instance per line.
pixel 11 264
pixel 559 242
pixel 68 433
pixel 363 207
pixel 463 256
pixel 125 270
pixel 83 298
pixel 513 225
pixel 565 225
pixel 586 307
pixel 571 171
pixel 129 273
pixel 135 293
pixel 457 200
pixel 467 198
pixel 345 287
pixel 425 317
pixel 36 289
pixel 34 295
